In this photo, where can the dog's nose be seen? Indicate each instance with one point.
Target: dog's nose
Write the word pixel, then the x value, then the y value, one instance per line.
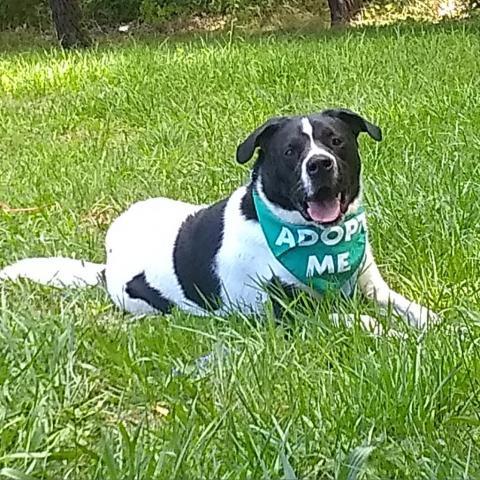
pixel 319 164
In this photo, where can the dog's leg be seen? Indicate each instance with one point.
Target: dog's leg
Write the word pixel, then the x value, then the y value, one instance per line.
pixel 366 321
pixel 373 286
pixel 281 295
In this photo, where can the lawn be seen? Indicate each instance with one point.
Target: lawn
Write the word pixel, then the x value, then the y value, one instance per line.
pixel 89 393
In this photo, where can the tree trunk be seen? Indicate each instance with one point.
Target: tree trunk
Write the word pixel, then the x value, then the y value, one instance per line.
pixel 341 11
pixel 67 16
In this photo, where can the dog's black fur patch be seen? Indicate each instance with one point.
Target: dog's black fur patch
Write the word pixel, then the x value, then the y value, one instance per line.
pixel 283 151
pixel 279 292
pixel 247 207
pixel 283 146
pixel 196 245
pixel 138 287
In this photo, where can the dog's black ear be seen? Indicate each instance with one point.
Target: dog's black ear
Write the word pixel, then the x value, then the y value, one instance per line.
pixel 247 147
pixel 356 122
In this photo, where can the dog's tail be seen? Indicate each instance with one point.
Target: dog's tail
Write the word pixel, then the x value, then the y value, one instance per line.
pixel 55 271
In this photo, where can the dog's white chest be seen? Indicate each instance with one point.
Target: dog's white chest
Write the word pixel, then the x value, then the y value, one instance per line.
pixel 244 263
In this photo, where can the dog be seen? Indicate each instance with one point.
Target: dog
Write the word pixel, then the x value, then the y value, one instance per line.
pixel 297 224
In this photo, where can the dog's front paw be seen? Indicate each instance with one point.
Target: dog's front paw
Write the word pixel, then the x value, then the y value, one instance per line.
pixel 368 323
pixel 371 324
pixel 421 317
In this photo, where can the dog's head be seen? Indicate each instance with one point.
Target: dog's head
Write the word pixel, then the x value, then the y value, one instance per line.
pixel 308 168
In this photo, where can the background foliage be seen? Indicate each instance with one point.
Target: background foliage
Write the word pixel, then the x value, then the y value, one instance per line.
pixel 35 13
pixel 15 13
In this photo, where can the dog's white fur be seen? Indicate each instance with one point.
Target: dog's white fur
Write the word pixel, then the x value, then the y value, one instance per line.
pixel 244 262
pixel 314 150
pixel 142 239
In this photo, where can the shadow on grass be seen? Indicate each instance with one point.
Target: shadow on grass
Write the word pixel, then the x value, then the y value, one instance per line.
pixel 316 30
pixel 25 41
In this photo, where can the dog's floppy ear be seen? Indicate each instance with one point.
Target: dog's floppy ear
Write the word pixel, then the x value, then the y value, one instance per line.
pixel 356 122
pixel 247 147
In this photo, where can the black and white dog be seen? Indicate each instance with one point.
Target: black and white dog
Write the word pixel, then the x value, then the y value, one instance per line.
pixel 163 253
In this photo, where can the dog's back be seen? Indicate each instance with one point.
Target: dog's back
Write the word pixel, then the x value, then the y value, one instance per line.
pixel 140 245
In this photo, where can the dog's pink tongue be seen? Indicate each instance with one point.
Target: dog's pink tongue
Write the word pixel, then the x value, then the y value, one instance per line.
pixel 324 211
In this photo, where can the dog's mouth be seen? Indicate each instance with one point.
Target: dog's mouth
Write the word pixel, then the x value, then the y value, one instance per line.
pixel 326 207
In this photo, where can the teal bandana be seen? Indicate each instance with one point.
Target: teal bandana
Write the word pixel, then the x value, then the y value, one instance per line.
pixel 324 258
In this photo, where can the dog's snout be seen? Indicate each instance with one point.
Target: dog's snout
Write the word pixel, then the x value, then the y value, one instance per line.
pixel 319 164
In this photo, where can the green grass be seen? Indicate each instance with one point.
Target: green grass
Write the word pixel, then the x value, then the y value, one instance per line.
pixel 88 393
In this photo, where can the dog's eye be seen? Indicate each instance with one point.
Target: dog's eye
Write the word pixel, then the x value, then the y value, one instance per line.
pixel 289 152
pixel 336 141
